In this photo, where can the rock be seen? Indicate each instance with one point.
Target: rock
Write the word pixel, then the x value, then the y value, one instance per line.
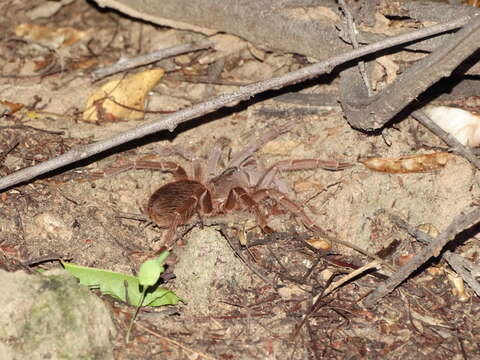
pixel 51 316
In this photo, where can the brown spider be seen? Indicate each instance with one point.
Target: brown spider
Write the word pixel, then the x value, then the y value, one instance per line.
pixel 243 184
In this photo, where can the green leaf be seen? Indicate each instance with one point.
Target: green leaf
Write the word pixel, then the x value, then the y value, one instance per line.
pixel 113 284
pixel 150 272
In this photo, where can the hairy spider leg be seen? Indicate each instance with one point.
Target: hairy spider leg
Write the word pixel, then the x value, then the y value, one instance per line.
pixel 239 198
pixel 197 171
pixel 169 237
pixel 256 144
pixel 168 166
pixel 176 170
pixel 213 162
pixel 268 177
pixel 283 200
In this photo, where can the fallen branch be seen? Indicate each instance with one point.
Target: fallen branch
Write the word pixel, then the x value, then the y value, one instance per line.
pixel 352 33
pixel 373 112
pixel 459 224
pixel 171 121
pixel 465 268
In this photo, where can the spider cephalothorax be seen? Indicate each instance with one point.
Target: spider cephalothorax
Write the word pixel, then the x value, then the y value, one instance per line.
pixel 242 185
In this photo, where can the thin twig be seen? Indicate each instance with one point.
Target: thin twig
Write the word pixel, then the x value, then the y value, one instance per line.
pixel 457 147
pixel 375 264
pixel 352 32
pixel 21 126
pixel 459 224
pixel 204 80
pixel 130 63
pixel 9 149
pixel 171 121
pixel 43 259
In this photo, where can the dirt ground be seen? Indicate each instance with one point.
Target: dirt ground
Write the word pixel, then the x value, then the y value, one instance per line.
pixel 241 302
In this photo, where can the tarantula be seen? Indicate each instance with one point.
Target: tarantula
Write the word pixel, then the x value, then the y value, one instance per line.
pixel 242 184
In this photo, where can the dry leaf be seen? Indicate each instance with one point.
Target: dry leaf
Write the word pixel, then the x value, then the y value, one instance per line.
pixel 49 35
pixel 408 164
pixel 291 291
pixel 435 271
pixel 429 229
pixel 320 243
pixel 472 2
pixel 12 107
pixel 84 63
pixel 458 288
pixel 403 259
pixel 122 99
pixel 462 124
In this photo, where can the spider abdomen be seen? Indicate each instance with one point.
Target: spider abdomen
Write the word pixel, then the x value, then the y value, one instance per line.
pixel 175 202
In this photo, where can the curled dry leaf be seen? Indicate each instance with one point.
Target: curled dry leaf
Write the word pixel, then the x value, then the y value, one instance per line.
pixel 472 2
pixel 462 124
pixel 458 288
pixel 408 164
pixel 320 244
pixel 10 107
pixel 429 229
pixel 403 259
pixel 54 37
pixel 122 99
pixel 435 271
pixel 290 292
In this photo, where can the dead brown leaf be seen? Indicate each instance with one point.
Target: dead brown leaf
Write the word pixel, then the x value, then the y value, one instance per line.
pixel 122 99
pixel 52 36
pixel 408 164
pixel 14 107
